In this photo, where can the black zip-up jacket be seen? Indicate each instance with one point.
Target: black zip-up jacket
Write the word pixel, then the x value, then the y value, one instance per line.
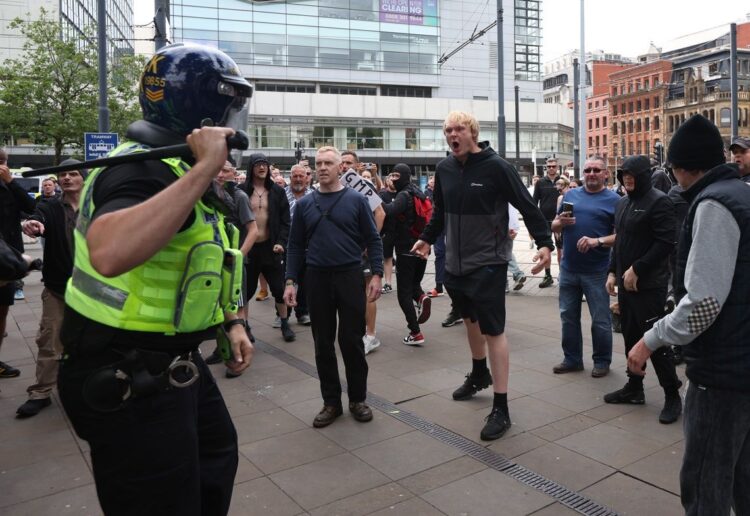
pixel 13 201
pixel 645 226
pixel 400 215
pixel 58 245
pixel 279 219
pixel 470 202
pixel 545 196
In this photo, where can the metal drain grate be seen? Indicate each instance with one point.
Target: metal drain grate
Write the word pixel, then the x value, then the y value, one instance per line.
pixel 562 494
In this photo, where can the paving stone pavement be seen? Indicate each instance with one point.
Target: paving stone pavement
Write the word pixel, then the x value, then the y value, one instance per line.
pixel 617 456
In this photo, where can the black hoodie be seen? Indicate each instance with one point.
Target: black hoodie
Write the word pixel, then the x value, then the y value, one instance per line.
pixel 645 226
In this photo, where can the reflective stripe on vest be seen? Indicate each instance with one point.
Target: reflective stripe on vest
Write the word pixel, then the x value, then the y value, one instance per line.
pixel 176 291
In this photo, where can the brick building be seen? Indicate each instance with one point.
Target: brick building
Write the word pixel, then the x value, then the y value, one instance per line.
pixel 597 108
pixel 636 109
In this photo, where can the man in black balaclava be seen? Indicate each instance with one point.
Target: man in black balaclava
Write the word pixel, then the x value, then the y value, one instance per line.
pixel 645 229
pixel 410 270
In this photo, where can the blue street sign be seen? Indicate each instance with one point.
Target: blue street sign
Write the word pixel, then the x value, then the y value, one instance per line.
pixel 98 145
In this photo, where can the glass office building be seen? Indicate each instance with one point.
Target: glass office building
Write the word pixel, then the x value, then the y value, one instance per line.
pixel 328 72
pixel 363 35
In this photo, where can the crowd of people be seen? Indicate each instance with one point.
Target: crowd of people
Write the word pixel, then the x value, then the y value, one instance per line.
pixel 121 325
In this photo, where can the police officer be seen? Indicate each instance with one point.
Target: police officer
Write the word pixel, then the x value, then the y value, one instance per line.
pixel 154 276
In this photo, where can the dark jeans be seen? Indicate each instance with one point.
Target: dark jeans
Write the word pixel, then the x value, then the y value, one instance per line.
pixel 439 247
pixel 331 294
pixel 409 276
pixel 638 313
pixel 174 452
pixel 573 286
pixel 716 466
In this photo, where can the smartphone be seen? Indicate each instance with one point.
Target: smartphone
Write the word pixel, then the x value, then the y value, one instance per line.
pixel 568 207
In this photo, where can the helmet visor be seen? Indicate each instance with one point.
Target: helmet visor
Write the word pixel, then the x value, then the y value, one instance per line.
pixel 235 115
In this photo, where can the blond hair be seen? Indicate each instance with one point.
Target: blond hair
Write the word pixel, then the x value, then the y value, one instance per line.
pixel 463 118
pixel 328 148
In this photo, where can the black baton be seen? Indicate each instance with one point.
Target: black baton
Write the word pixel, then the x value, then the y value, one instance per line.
pixel 238 140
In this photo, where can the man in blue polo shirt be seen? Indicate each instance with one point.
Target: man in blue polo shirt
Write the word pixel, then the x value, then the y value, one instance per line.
pixel 586 219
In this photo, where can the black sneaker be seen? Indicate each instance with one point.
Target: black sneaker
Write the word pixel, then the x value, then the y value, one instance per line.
pixel 287 332
pixel 453 319
pixel 472 385
pixel 497 424
pixel 627 394
pixel 214 358
pixel 672 409
pixel 546 282
pixel 32 408
pixel 677 357
pixel 8 371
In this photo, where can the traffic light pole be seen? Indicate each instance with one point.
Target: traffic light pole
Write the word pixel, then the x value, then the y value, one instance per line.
pixel 101 19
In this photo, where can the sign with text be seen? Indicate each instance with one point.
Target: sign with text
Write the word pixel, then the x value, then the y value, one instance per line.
pixel 411 12
pixel 98 145
pixel 353 180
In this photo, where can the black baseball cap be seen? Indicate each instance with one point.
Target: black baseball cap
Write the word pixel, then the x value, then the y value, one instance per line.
pixel 740 141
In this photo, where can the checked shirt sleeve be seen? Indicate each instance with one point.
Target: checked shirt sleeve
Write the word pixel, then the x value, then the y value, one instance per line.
pixel 708 278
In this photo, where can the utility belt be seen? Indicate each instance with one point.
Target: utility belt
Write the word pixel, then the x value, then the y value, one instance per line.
pixel 138 373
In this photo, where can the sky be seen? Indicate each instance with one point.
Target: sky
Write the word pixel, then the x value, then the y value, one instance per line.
pixel 621 27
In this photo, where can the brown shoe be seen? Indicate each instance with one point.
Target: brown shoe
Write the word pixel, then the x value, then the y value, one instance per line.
pixel 563 368
pixel 360 411
pixel 326 416
pixel 600 372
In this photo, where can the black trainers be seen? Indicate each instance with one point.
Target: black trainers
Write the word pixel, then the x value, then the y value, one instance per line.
pixel 677 357
pixel 497 424
pixel 8 371
pixel 453 319
pixel 672 409
pixel 32 408
pixel 472 385
pixel 214 358
pixel 287 332
pixel 546 282
pixel 627 394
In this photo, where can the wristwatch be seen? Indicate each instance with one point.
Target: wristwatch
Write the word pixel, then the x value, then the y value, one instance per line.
pixel 291 283
pixel 234 322
pixel 601 242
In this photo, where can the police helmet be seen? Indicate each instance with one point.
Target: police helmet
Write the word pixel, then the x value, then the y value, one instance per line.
pixel 185 84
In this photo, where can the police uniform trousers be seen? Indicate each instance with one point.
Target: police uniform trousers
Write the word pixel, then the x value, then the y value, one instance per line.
pixel 172 453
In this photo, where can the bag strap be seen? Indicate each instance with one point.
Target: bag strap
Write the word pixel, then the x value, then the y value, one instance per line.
pixel 324 214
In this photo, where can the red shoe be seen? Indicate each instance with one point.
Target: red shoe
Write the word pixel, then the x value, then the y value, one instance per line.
pixel 423 308
pixel 414 339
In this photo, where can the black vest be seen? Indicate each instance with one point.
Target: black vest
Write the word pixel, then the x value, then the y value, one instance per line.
pixel 720 356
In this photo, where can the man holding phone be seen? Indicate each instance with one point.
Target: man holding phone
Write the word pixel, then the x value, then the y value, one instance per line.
pixel 586 219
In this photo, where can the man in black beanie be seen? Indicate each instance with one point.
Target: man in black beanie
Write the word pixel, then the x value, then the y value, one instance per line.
pixel 712 281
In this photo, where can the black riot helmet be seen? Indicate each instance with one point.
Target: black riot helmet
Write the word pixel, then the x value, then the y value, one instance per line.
pixel 185 84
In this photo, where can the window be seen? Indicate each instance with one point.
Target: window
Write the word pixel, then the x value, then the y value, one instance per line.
pixel 406 91
pixel 646 104
pixel 656 102
pixel 630 107
pixel 638 127
pixel 638 106
pixel 724 117
pixel 604 140
pixel 622 128
pixel 604 121
pixel 287 88
pixel 630 126
pixel 347 90
pixel 364 137
pixel 411 135
pixel 590 124
pixel 656 123
pixel 646 124
pixel 597 141
pixel 614 129
pixel 614 109
pixel 322 136
pixel 596 123
pixel 591 142
pixel 645 83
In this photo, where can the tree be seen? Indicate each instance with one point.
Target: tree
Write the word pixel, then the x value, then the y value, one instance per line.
pixel 49 94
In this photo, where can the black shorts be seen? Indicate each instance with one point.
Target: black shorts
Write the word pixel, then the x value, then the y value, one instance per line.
pixel 480 296
pixel 7 294
pixel 388 243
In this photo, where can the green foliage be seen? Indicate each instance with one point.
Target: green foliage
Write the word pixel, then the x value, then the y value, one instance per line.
pixel 49 94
